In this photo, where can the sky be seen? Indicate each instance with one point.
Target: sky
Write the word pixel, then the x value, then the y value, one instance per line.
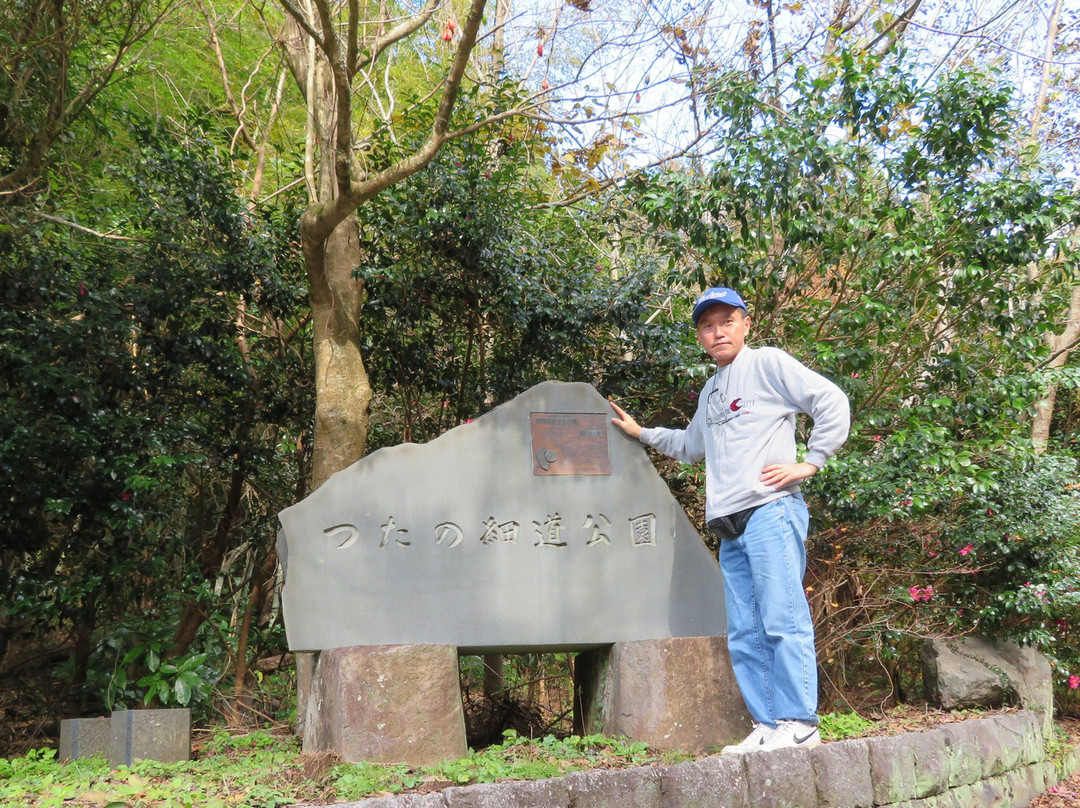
pixel 617 58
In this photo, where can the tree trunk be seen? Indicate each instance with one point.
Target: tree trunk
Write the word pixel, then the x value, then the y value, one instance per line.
pixel 1060 344
pixel 212 555
pixel 342 389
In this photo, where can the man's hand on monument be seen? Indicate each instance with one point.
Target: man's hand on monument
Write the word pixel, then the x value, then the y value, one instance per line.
pixel 784 474
pixel 625 422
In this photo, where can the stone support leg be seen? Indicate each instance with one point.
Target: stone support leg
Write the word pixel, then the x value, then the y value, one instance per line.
pixel 387 704
pixel 677 693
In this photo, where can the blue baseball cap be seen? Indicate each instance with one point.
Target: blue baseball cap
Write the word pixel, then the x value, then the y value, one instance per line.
pixel 718 294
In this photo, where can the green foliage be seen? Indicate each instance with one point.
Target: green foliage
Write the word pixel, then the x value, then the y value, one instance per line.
pixel 57 59
pixel 264 771
pixel 258 776
pixel 999 557
pixel 837 726
pixel 171 684
pixel 474 295
pixel 884 232
pixel 873 245
pixel 516 758
pixel 142 390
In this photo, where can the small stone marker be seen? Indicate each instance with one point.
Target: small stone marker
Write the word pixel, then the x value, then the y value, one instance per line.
pixel 85 738
pixel 163 735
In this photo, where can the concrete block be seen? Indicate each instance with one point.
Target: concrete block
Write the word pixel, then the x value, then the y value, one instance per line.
pixel 163 735
pixel 842 772
pixel 85 738
pixel 677 693
pixel 550 793
pixel 782 778
pixel 706 783
pixel 606 788
pixel 892 768
pixel 947 799
pixel 387 704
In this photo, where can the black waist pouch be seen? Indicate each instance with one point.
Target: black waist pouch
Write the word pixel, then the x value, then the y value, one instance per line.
pixel 732 525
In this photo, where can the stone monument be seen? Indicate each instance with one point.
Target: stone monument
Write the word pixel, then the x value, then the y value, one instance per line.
pixel 537 527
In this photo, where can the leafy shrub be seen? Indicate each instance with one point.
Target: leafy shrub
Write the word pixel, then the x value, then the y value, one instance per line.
pixel 995 551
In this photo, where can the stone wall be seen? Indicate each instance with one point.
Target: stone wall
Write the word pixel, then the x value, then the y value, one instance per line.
pixel 981 763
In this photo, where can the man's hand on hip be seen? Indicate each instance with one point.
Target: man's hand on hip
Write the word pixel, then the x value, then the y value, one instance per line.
pixel 785 474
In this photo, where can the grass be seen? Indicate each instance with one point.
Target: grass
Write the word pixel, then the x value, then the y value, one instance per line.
pixel 260 770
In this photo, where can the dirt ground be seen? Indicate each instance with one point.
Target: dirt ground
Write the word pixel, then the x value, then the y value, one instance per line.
pixel 1065 794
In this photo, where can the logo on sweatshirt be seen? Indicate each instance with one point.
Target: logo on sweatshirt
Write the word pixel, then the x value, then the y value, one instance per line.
pixel 721 411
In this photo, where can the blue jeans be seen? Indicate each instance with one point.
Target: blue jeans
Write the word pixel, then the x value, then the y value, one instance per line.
pixel 770 633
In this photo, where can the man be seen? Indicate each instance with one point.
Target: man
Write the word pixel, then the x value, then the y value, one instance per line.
pixel 744 427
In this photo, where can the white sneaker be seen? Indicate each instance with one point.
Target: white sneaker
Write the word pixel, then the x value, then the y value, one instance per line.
pixel 754 742
pixel 790 734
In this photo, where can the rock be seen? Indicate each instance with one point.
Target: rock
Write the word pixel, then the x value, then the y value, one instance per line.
pixel 977 672
pixel 387 704
pixel 676 693
pixel 953 679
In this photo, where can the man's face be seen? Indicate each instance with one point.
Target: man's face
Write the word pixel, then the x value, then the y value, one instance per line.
pixel 722 330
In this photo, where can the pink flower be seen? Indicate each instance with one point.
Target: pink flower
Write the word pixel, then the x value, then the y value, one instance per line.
pixel 967 548
pixel 921 595
pixel 1074 682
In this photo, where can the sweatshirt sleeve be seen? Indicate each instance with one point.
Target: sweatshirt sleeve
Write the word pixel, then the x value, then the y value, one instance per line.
pixel 686 445
pixel 821 399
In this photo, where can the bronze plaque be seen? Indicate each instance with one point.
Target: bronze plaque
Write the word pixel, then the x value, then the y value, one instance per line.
pixel 570 443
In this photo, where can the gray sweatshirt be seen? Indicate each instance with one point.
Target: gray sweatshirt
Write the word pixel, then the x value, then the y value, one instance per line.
pixel 745 421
